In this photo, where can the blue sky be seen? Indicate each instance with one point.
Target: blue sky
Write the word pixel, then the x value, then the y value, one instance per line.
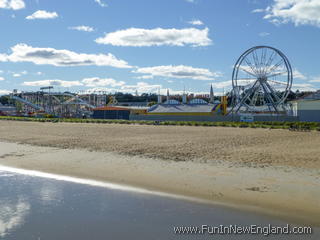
pixel 146 45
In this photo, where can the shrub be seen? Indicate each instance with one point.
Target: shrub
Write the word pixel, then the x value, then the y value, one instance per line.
pixel 294 126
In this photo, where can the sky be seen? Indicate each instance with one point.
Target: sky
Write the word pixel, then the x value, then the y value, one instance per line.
pixel 150 45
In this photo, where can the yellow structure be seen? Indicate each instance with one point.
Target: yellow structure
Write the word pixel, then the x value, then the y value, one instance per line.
pixel 224 103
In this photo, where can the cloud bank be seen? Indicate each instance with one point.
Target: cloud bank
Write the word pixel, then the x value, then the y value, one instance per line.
pixel 25 53
pixel 139 37
pixel 52 82
pixel 97 84
pixel 179 71
pixel 101 82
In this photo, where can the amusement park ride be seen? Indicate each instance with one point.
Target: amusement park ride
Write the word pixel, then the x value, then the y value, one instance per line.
pixel 63 104
pixel 261 81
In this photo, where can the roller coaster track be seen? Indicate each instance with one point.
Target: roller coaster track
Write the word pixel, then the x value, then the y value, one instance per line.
pixel 35 106
pixel 74 99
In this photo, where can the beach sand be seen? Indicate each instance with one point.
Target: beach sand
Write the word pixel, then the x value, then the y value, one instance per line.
pixel 272 171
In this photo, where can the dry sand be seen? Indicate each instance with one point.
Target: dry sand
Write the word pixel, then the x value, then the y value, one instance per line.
pixel 179 143
pixel 274 171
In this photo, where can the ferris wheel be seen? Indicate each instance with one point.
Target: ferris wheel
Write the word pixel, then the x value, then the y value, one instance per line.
pixel 261 80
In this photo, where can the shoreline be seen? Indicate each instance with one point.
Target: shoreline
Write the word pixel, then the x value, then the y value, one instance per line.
pixel 285 192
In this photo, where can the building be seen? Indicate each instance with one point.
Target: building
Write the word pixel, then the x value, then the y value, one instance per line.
pixel 307 108
pixel 194 107
pixel 183 109
pixel 110 112
pixel 194 110
pixel 7 110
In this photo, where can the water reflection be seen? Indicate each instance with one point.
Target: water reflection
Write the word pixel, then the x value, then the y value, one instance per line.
pixel 93 183
pixel 12 215
pixel 50 193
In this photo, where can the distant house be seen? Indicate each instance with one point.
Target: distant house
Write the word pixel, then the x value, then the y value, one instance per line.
pixel 307 108
pixel 110 112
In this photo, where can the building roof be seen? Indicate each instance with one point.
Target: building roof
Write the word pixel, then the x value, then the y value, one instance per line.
pixel 182 108
pixel 110 108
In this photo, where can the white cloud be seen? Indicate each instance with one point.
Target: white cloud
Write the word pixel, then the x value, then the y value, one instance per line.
pixel 4 92
pixel 315 80
pixel 264 34
pixel 297 74
pixel 196 22
pixel 299 12
pixel 224 84
pixel 144 77
pixel 102 82
pixel 53 82
pixel 303 87
pixel 41 14
pixel 12 4
pixel 24 53
pixel 141 87
pixel 101 3
pixel 179 71
pixel 3 57
pixel 18 74
pixel 191 1
pixel 139 37
pixel 86 82
pixel 82 28
pixel 259 10
pixel 2 79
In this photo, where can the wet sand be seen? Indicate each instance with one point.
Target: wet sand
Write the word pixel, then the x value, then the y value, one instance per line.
pixel 272 171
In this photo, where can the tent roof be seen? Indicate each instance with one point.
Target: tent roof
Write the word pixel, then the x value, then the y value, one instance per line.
pixel 181 108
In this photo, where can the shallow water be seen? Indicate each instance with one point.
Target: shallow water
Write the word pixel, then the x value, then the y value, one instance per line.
pixel 33 207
